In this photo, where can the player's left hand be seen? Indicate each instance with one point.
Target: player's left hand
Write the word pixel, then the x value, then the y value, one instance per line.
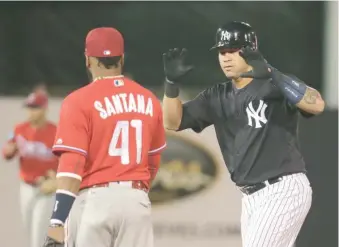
pixel 55 237
pixel 50 174
pixel 48 186
pixel 260 68
pixel 175 64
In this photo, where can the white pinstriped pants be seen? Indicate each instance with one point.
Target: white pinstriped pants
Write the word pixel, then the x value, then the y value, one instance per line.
pixel 273 216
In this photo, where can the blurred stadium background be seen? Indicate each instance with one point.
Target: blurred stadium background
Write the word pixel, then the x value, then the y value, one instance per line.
pixel 43 43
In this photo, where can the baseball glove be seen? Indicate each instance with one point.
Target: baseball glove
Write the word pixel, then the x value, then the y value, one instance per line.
pixel 50 242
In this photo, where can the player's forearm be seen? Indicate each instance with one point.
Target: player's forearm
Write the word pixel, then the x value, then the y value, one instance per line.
pixel 172 112
pixel 311 102
pixel 69 184
pixel 67 190
pixel 298 93
pixel 9 151
pixel 172 106
pixel 69 176
pixel 153 166
pixel 153 170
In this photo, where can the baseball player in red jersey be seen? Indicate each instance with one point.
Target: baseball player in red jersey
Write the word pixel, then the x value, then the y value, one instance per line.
pixel 109 140
pixel 32 141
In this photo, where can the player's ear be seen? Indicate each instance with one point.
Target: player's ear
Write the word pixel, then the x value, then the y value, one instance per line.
pixel 122 60
pixel 88 65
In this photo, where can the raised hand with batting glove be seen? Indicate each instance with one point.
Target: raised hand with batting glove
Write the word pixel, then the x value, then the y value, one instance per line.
pixel 260 68
pixel 294 89
pixel 175 68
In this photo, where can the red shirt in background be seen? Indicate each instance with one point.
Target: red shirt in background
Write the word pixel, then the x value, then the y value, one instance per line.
pixel 116 123
pixel 35 150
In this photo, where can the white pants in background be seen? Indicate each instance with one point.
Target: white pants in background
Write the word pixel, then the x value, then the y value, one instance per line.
pixel 36 210
pixel 274 215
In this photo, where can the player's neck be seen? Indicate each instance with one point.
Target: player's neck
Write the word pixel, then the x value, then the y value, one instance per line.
pixel 242 82
pixel 107 73
pixel 39 124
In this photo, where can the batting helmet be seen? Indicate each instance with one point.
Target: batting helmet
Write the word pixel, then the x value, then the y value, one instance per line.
pixel 236 35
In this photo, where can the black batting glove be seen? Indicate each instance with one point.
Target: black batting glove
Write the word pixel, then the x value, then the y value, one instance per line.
pixel 175 68
pixel 175 64
pixel 261 69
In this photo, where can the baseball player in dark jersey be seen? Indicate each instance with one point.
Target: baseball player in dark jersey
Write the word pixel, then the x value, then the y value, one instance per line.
pixel 255 115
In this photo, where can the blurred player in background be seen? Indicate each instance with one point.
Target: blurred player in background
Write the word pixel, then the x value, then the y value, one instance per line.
pixel 109 138
pixel 41 88
pixel 32 141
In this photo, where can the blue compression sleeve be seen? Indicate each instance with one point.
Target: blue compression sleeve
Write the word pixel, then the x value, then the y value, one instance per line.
pixel 293 89
pixel 63 204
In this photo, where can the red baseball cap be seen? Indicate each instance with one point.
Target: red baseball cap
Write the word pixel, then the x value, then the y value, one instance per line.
pixel 37 99
pixel 104 42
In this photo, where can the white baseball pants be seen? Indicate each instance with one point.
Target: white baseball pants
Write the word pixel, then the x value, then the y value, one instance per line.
pixel 114 216
pixel 36 210
pixel 274 215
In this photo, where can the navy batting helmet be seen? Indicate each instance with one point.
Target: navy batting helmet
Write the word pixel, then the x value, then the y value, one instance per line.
pixel 236 35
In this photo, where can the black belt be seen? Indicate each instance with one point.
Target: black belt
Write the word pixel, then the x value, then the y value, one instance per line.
pixel 250 189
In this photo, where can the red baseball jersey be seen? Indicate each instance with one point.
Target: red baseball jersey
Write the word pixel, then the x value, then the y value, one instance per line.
pixel 35 150
pixel 116 123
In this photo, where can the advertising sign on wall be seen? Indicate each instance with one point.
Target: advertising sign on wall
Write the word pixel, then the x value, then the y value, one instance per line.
pixel 194 203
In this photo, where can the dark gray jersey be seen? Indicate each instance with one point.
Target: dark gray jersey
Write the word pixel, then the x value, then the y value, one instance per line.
pixel 256 129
